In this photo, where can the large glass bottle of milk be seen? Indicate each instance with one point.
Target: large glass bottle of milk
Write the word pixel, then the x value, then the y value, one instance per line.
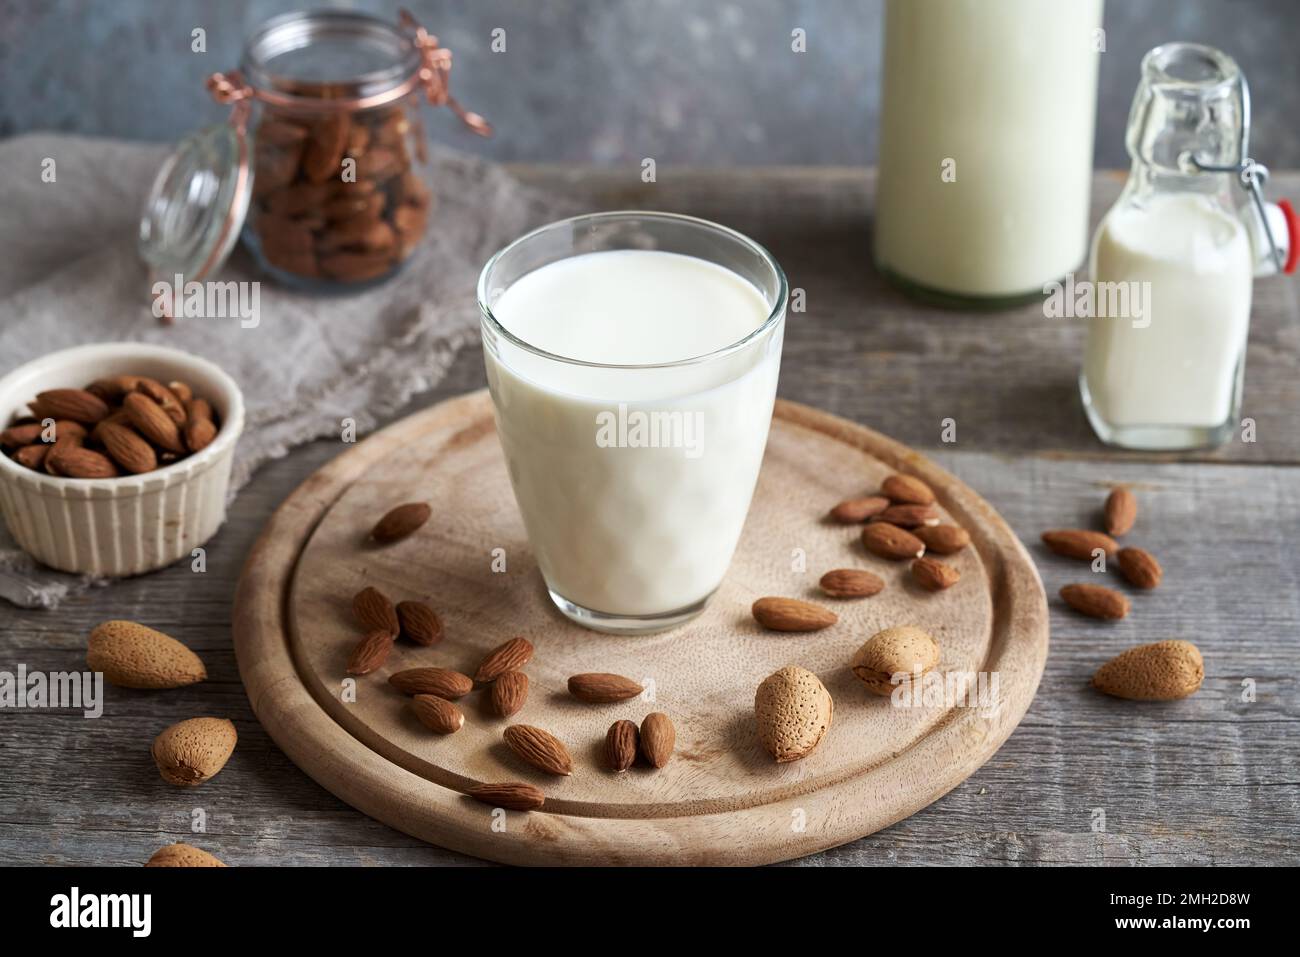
pixel 986 145
pixel 1173 262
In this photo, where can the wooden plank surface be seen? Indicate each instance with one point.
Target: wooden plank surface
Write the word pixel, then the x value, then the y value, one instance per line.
pixel 1209 780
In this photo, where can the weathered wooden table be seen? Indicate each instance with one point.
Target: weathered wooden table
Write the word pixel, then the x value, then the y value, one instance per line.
pixel 1085 779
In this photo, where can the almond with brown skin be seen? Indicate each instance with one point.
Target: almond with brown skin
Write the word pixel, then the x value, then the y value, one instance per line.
pixel 891 542
pixel 1079 543
pixel 1120 512
pixel 419 622
pixel 1096 601
pixel 791 614
pixel 851 583
pixel 539 748
pixel 511 795
pixel 907 490
pixel 131 655
pixel 199 434
pixel 601 688
pixel 167 399
pixel 438 714
pixel 442 682
pixel 856 510
pixel 370 653
pixel 943 539
pixel 509 693
pixel 17 436
pixel 32 456
pixel 83 463
pixel 375 611
pixel 909 516
pixel 621 742
pixel 126 448
pixel 1140 567
pixel 658 738
pixel 400 522
pixel 509 656
pixel 76 404
pixel 934 575
pixel 1161 671
pixel 181 390
pixel 152 422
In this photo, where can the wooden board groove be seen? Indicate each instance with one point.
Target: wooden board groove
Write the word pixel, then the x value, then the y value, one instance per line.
pixel 717 802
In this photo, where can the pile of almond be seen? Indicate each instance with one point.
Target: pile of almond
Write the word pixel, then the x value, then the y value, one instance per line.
pixel 1160 671
pixel 121 424
pixel 314 221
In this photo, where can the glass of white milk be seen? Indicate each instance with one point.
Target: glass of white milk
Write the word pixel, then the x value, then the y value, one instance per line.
pixel 632 359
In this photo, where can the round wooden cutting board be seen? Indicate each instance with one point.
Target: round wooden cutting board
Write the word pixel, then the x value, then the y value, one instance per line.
pixel 721 799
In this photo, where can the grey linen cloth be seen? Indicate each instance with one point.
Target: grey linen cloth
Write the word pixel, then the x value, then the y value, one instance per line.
pixel 70 274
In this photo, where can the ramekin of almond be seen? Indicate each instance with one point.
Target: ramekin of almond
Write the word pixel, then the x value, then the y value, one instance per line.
pixel 116 456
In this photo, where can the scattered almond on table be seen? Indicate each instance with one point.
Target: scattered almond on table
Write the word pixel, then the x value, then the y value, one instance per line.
pixel 131 655
pixel 903 650
pixel 600 688
pixel 791 614
pixel 934 575
pixel 794 711
pixel 539 748
pixel 192 752
pixel 851 583
pixel 1161 671
pixel 182 855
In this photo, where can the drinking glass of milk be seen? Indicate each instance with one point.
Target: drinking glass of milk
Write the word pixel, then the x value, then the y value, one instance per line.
pixel 632 359
pixel 1174 260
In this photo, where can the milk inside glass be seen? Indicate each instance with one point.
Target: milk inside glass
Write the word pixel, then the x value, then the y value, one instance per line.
pixel 634 471
pixel 986 139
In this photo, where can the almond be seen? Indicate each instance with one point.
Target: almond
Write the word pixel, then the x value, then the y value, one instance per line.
pixel 182 391
pixel 77 462
pixel 511 795
pixel 64 442
pixel 621 743
pixel 658 737
pixel 152 422
pixel 419 623
pixel 399 522
pixel 1120 512
pixel 1140 567
pixel 539 748
pixel 133 656
pixel 891 542
pixel 32 456
pixel 909 516
pixel 442 682
pixel 437 714
pixel 76 404
pixel 1096 601
pixel 509 693
pixel 370 653
pixel 791 614
pixel 851 583
pixel 110 390
pixel 375 611
pixel 600 688
pixel 182 855
pixel 1079 543
pixel 793 710
pixel 855 510
pixel 934 575
pixel 191 752
pixel 907 490
pixel 198 409
pixel 126 448
pixel 20 435
pixel 510 656
pixel 199 434
pixel 943 539
pixel 167 400
pixel 903 651
pixel 1162 671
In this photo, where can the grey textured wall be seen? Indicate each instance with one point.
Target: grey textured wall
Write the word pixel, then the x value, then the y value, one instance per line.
pixel 706 82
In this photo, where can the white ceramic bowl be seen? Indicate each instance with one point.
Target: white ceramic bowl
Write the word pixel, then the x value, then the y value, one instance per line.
pixel 132 523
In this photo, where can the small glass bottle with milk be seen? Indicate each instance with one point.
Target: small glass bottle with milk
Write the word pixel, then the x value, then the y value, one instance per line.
pixel 1174 260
